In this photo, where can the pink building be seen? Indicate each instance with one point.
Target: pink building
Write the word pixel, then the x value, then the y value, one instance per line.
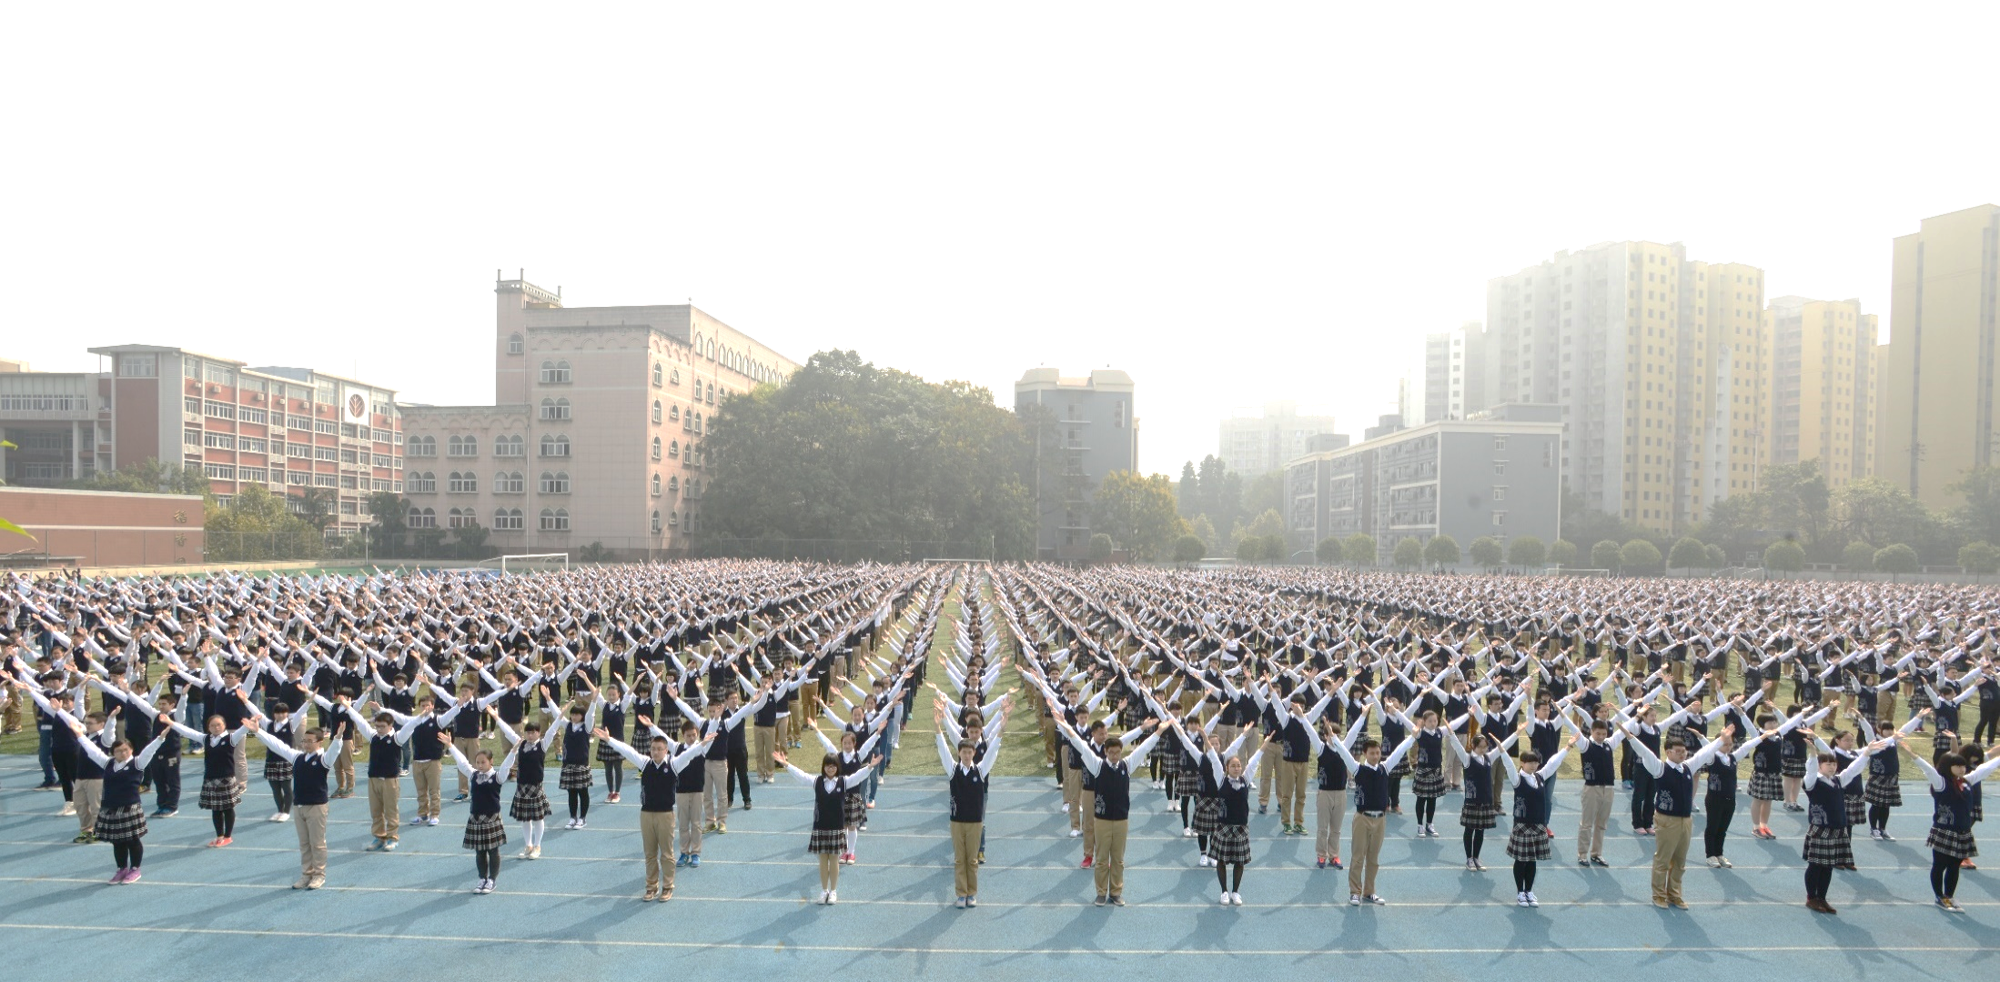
pixel 597 428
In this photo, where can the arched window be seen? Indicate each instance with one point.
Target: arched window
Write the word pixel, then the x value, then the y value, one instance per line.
pixel 658 374
pixel 421 482
pixel 674 450
pixel 697 422
pixel 657 410
pixel 656 522
pixel 555 519
pixel 697 345
pixel 674 485
pixel 676 377
pixel 555 372
pixel 697 390
pixel 674 414
pixel 555 445
pixel 508 446
pixel 507 519
pixel 656 485
pixel 656 448
pixel 555 483
pixel 673 519
pixel 514 344
pixel 466 483
pixel 421 446
pixel 452 518
pixel 421 518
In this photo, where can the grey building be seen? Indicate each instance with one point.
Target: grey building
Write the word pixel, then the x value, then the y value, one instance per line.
pixel 1498 473
pixel 1086 429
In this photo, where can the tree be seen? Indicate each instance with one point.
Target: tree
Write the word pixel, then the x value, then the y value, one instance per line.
pixel 1409 553
pixel 148 476
pixel 847 450
pixel 1188 549
pixel 593 553
pixel 1860 555
pixel 1979 557
pixel 1604 555
pixel 5 525
pixel 471 540
pixel 1187 492
pixel 1100 547
pixel 1687 553
pixel 1562 552
pixel 1785 555
pixel 1265 492
pixel 316 506
pixel 1527 551
pixel 1717 559
pixel 1441 550
pixel 1139 511
pixel 1487 551
pixel 1268 524
pixel 1204 530
pixel 1639 556
pixel 1328 550
pixel 1980 514
pixel 391 512
pixel 429 539
pixel 1896 558
pixel 1359 549
pixel 256 527
pixel 1878 513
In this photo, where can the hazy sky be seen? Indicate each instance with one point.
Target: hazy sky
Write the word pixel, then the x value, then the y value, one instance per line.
pixel 1233 203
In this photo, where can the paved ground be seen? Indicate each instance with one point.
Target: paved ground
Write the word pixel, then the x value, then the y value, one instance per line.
pixel 576 913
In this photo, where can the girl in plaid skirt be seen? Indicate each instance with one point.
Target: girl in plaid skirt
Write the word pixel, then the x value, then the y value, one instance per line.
pixel 1528 841
pixel 219 791
pixel 1229 847
pixel 485 832
pixel 1428 783
pixel 1480 809
pixel 831 790
pixel 278 770
pixel 1884 790
pixel 1951 842
pixel 121 820
pixel 1828 844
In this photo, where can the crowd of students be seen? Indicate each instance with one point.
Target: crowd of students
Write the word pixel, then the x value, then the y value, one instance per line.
pixel 1209 689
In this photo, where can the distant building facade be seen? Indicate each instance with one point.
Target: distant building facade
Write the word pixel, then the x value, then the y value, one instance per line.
pixel 1254 445
pixel 1936 399
pixel 1822 386
pixel 1090 430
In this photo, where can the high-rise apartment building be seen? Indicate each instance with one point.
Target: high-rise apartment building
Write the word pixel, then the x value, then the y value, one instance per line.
pixel 1822 386
pixel 1936 391
pixel 1448 387
pixel 1657 362
pixel 1253 445
pixel 596 434
pixel 1091 431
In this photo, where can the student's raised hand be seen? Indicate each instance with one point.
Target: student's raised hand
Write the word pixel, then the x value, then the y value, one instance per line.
pixel 601 733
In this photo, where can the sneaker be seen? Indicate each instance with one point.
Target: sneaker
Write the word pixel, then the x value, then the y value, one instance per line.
pixel 1726 864
pixel 1322 862
pixel 722 829
pixel 389 846
pixel 681 860
pixel 165 812
pixel 68 809
pixel 1583 862
pixel 282 817
pixel 1100 900
pixel 300 883
pixel 972 901
pixel 118 878
pixel 373 845
pixel 1875 833
pixel 666 895
pixel 958 902
pixel 1086 862
pixel 694 861
pixel 1334 862
pixel 650 895
pixel 225 840
pixel 1967 864
pixel 433 820
pixel 133 876
pixel 582 823
pixel 1886 837
pixel 1521 899
pixel 1117 900
pixel 1376 900
pixel 1188 833
pixel 82 838
pixel 823 895
pixel 1532 902
pixel 461 797
pixel 1075 833
pixel 1263 809
pixel 1235 898
pixel 1223 900
pixel 982 857
pixel 1599 861
pixel 833 896
pixel 419 820
pixel 535 852
pixel 1353 900
pixel 1714 863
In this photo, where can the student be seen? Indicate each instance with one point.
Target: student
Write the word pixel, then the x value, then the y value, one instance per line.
pixel 1481 808
pixel 385 782
pixel 278 770
pixel 1111 777
pixel 853 756
pixel 1673 802
pixel 1229 847
pixel 1719 803
pixel 658 775
pixel 95 733
pixel 576 758
pixel 1528 841
pixel 831 789
pixel 1951 841
pixel 1427 781
pixel 1884 790
pixel 966 774
pixel 165 773
pixel 614 709
pixel 1599 772
pixel 485 832
pixel 530 805
pixel 1295 725
pixel 122 819
pixel 220 793
pixel 1371 803
pixel 311 766
pixel 1332 777
pixel 1829 842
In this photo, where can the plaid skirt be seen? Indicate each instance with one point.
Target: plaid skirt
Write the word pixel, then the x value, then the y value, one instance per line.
pixel 1429 783
pixel 1478 816
pixel 1884 791
pixel 1829 845
pixel 1946 842
pixel 1791 767
pixel 277 768
pixel 529 804
pixel 1207 816
pixel 222 792
pixel 827 842
pixel 121 824
pixel 485 832
pixel 1857 809
pixel 1528 842
pixel 1181 785
pixel 853 809
pixel 575 777
pixel 1766 786
pixel 1979 811
pixel 1230 844
pixel 606 753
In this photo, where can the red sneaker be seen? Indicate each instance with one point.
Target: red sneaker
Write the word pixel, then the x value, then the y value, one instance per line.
pixel 1086 862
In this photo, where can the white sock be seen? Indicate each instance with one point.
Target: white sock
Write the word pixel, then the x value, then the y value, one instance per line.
pixel 851 836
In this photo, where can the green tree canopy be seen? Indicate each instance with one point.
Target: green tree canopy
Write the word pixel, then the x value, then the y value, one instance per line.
pixel 1139 512
pixel 1187 549
pixel 1687 553
pixel 1100 547
pixel 1487 551
pixel 1639 555
pixel 1442 550
pixel 1358 549
pixel 1409 553
pixel 148 476
pixel 1328 550
pixel 1562 552
pixel 1896 558
pixel 1604 555
pixel 1527 551
pixel 1979 557
pixel 1785 555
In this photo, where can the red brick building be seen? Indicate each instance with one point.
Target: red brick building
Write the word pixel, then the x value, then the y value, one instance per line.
pixel 102 528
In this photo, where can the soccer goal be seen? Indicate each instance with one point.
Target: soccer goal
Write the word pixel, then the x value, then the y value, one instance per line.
pixel 519 562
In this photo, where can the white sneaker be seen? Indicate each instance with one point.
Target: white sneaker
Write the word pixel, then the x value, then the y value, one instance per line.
pixel 1224 899
pixel 1076 833
pixel 582 823
pixel 823 895
pixel 68 809
pixel 432 821
pixel 277 817
pixel 525 853
pixel 479 886
pixel 1236 898
pixel 1714 863
pixel 1187 833
pixel 1353 900
pixel 570 824
pixel 1532 902
pixel 833 896
pixel 1521 899
pixel 285 816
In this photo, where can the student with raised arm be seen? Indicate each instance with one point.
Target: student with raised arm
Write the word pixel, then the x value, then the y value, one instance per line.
pixel 530 805
pixel 659 771
pixel 311 766
pixel 1673 805
pixel 854 753
pixel 575 776
pixel 1829 838
pixel 219 791
pixel 1528 841
pixel 385 782
pixel 966 773
pixel 1332 776
pixel 1884 790
pixel 1229 847
pixel 1371 786
pixel 1719 805
pixel 1111 775
pixel 1954 791
pixel 1481 808
pixel 121 819
pixel 485 832
pixel 830 791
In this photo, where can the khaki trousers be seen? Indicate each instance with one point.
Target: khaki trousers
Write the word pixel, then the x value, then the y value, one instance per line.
pixel 311 823
pixel 243 765
pixel 1332 809
pixel 343 767
pixel 1086 802
pixel 1267 769
pixel 467 746
pixel 383 816
pixel 764 741
pixel 88 797
pixel 1109 869
pixel 1596 807
pixel 656 838
pixel 1365 860
pixel 430 798
pixel 715 791
pixel 1072 791
pixel 1292 792
pixel 965 858
pixel 687 804
pixel 1670 855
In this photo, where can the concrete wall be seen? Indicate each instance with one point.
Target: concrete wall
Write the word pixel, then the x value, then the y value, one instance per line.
pixel 104 528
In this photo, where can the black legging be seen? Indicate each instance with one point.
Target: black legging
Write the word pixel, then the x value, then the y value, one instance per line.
pixel 129 853
pixel 1201 844
pixel 1427 809
pixel 579 803
pixel 738 775
pixel 65 763
pixel 1475 840
pixel 1878 817
pixel 489 863
pixel 1524 875
pixel 1819 876
pixel 1944 874
pixel 1642 799
pixel 1988 726
pixel 1721 809
pixel 614 776
pixel 281 792
pixel 224 820
pixel 1223 871
pixel 1187 810
pixel 1396 791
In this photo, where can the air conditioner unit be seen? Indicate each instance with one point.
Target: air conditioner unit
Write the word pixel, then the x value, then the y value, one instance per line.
pixel 257 398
